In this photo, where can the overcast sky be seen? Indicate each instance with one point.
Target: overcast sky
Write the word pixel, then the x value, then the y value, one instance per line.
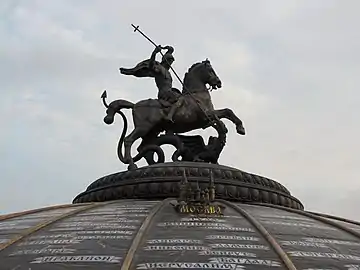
pixel 290 71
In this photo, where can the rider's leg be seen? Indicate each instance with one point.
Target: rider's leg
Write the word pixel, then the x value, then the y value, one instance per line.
pixel 173 109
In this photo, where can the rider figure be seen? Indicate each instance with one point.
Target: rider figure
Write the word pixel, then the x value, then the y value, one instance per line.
pixel 161 73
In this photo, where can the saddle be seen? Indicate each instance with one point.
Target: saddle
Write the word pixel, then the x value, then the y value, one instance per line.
pixel 167 99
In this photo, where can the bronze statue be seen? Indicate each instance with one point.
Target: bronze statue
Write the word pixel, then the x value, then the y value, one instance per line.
pixel 173 112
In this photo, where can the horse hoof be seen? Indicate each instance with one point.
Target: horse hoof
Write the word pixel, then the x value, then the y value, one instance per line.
pixel 132 167
pixel 240 130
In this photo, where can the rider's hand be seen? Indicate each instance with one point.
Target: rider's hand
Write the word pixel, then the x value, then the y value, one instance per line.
pixel 158 48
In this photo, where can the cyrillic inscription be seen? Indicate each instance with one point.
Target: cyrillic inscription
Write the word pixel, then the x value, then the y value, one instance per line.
pixel 112 217
pixel 7 228
pixel 175 248
pixel 109 226
pixel 232 237
pixel 285 217
pixel 51 242
pixel 44 251
pixel 192 224
pixel 52 236
pixel 112 212
pixel 74 235
pixel 303 243
pixel 234 229
pixel 331 241
pixel 212 226
pixel 203 219
pixel 323 255
pixel 76 224
pixel 246 261
pixel 199 209
pixel 223 245
pixel 226 253
pixel 174 241
pixel 299 225
pixel 98 237
pixel 188 265
pixel 74 259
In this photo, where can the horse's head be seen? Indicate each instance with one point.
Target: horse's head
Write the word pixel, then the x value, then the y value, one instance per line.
pixel 203 73
pixel 209 76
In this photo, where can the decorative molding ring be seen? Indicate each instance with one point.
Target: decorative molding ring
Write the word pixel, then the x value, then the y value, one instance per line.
pixel 161 181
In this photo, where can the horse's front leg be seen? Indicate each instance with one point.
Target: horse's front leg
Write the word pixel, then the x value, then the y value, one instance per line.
pixel 229 114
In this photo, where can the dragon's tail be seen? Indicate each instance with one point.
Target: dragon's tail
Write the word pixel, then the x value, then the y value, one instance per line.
pixel 113 108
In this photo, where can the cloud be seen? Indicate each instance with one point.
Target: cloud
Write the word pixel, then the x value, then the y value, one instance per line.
pixel 289 70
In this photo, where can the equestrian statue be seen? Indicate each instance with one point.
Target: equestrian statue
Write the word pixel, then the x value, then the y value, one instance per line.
pixel 173 112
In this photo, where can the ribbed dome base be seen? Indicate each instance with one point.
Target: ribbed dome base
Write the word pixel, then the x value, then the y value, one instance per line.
pixel 162 181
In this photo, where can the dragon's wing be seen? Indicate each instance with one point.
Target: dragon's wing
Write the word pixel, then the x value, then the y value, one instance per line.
pixel 194 143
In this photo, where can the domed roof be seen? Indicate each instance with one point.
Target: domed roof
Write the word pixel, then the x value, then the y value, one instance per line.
pixel 153 234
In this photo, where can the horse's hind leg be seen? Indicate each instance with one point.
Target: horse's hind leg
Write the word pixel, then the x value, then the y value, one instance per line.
pixel 137 133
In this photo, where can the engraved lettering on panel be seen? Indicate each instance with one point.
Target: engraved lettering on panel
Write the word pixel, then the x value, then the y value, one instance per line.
pixel 122 212
pixel 233 237
pixel 72 235
pixel 99 237
pixel 188 265
pixel 43 251
pixel 211 226
pixel 202 219
pixel 177 247
pixel 199 209
pixel 246 261
pixel 112 217
pixel 223 245
pixel 303 243
pixel 107 232
pixel 74 259
pixel 226 253
pixel 109 226
pixel 52 236
pixel 23 227
pixel 174 241
pixel 323 255
pixel 299 225
pixel 194 223
pixel 92 224
pixel 284 217
pixel 51 242
pixel 318 269
pixel 331 241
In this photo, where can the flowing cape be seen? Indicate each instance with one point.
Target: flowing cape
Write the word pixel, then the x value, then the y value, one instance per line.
pixel 140 70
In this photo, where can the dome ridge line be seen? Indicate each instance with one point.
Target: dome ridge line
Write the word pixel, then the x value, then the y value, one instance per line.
pixel 141 232
pixel 268 237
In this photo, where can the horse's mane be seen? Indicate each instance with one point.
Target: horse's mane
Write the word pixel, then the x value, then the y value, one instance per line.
pixel 186 76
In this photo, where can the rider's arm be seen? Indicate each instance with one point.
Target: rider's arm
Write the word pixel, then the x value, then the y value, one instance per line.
pixel 153 56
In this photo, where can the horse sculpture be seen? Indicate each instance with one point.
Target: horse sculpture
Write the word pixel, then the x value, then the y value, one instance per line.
pixel 196 111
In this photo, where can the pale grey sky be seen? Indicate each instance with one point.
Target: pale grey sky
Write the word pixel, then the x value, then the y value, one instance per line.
pixel 290 71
